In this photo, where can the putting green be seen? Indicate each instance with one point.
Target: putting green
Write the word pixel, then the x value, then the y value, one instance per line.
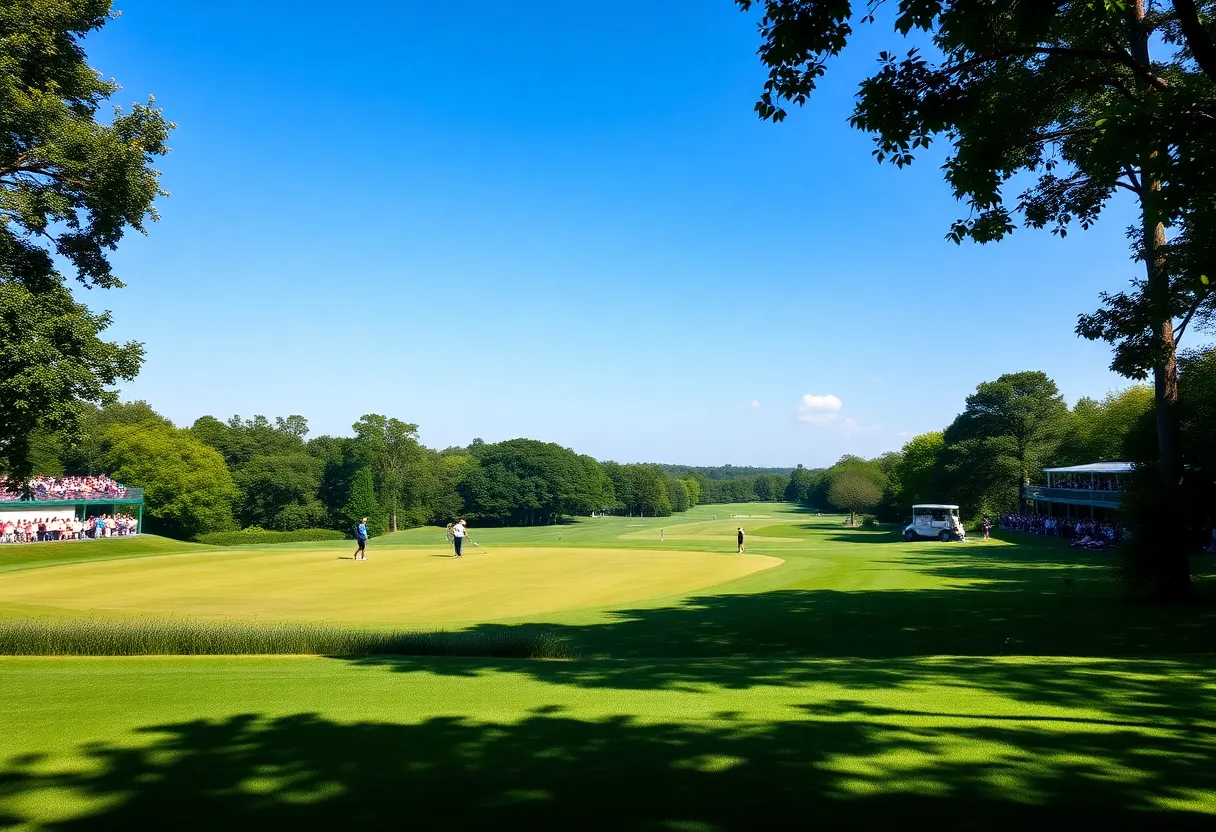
pixel 397 585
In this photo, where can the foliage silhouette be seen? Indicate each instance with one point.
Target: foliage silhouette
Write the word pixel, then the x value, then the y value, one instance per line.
pixel 550 770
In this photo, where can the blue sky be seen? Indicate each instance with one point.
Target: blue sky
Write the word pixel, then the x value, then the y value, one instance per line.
pixel 561 221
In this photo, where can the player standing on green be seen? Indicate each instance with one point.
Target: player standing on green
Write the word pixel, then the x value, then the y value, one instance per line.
pixel 740 538
pixel 458 533
pixel 361 540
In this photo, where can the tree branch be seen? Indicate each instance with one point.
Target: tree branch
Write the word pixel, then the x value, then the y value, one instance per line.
pixel 17 165
pixel 1196 37
pixel 1055 135
pixel 1130 173
pixel 1065 52
pixel 39 170
pixel 1190 313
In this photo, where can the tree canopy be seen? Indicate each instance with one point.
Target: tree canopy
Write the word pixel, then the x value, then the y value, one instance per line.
pixel 1008 430
pixel 854 491
pixel 1100 431
pixel 798 489
pixel 524 481
pixel 916 475
pixel 71 186
pixel 391 447
pixel 188 490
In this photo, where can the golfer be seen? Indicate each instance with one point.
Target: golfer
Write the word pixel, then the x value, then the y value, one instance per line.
pixel 740 538
pixel 458 533
pixel 361 540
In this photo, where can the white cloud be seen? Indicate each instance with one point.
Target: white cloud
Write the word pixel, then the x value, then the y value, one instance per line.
pixel 755 402
pixel 819 411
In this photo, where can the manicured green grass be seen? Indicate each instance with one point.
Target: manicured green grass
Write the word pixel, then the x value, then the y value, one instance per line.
pixel 455 743
pixel 17 557
pixel 419 588
pixel 859 681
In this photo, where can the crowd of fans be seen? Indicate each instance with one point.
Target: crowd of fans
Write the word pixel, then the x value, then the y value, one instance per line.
pixel 67 488
pixel 39 530
pixel 1088 483
pixel 1087 534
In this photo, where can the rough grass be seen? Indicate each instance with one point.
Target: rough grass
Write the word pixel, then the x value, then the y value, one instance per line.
pixel 149 637
pixel 247 537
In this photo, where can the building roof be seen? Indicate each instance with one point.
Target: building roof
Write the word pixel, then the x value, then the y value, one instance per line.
pixel 1093 468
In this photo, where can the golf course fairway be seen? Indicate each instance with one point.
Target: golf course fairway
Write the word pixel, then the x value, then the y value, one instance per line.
pixel 831 675
pixel 398 586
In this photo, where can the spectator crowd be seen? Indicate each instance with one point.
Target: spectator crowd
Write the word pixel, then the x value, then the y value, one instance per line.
pixel 1088 483
pixel 39 530
pixel 1087 534
pixel 66 488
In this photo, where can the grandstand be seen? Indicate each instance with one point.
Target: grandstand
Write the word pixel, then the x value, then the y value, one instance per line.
pixel 1094 490
pixel 71 498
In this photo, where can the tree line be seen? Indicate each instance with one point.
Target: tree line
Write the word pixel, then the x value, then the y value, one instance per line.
pixel 1016 425
pixel 261 473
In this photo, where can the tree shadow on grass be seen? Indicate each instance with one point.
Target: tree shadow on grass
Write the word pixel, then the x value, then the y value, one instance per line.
pixel 1047 607
pixel 835 532
pixel 1062 611
pixel 1175 694
pixel 869 536
pixel 843 764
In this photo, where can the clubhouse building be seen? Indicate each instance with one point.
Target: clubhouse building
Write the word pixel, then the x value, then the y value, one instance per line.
pixel 1090 492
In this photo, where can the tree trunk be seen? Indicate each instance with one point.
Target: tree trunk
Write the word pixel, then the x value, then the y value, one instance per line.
pixel 1170 562
pixel 1172 569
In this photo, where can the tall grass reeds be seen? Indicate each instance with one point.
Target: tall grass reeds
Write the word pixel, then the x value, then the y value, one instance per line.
pixel 170 637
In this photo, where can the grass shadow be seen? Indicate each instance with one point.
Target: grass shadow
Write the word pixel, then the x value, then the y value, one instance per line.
pixel 878 534
pixel 982 607
pixel 844 764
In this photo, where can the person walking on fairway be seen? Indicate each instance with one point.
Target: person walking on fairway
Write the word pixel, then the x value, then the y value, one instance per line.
pixel 987 525
pixel 361 540
pixel 458 533
pixel 740 538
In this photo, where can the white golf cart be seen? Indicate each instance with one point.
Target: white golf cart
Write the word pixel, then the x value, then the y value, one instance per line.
pixel 935 520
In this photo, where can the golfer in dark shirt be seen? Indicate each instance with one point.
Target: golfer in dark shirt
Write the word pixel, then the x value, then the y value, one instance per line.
pixel 740 538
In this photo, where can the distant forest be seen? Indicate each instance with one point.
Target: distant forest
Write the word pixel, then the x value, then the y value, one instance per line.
pixel 262 474
pixel 724 472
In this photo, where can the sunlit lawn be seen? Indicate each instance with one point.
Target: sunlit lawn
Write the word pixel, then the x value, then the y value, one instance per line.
pixel 862 680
